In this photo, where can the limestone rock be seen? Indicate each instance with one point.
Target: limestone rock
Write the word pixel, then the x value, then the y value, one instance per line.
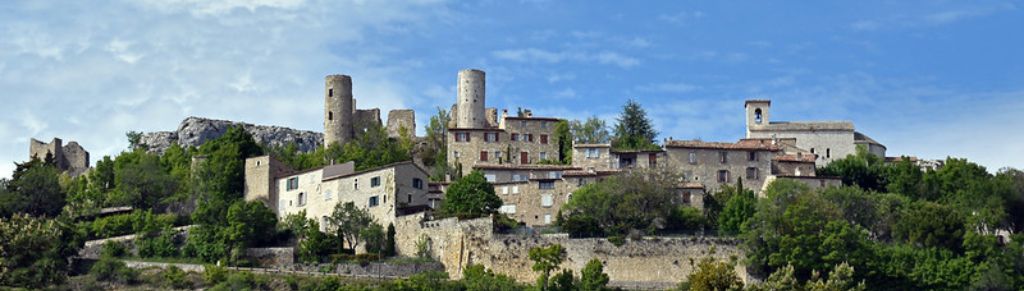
pixel 194 131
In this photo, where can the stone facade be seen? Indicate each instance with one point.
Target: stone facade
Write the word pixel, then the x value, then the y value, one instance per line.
pixel 830 140
pixel 658 262
pixel 715 164
pixel 602 157
pixel 260 175
pixel 70 158
pixel 523 141
pixel 383 191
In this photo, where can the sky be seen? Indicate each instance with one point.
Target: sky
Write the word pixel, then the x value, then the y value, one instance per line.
pixel 926 78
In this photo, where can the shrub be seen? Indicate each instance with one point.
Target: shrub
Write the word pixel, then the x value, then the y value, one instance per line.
pixel 113 249
pixel 112 270
pixel 213 274
pixel 175 278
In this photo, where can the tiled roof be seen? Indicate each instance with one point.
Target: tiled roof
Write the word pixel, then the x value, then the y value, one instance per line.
pixel 803 126
pixel 589 173
pixel 592 145
pixel 742 145
pixel 691 185
pixel 804 158
pixel 523 167
pixel 757 101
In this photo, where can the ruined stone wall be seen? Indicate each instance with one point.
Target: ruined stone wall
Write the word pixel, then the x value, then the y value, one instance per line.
pixel 401 118
pixel 38 149
pixel 76 159
pixel 363 119
pixel 659 261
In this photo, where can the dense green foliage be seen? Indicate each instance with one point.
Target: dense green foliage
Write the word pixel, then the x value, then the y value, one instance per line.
pixel 564 138
pixel 34 189
pixel 370 149
pixel 634 130
pixel 592 277
pixel 470 197
pixel 34 251
pixel 712 275
pixel 738 209
pixel 545 260
pixel 633 203
pixel 435 152
pixel 592 131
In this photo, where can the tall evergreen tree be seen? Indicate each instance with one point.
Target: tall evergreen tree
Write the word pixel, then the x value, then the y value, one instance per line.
pixel 634 130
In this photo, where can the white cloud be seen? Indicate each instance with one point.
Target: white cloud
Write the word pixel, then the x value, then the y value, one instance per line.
pixel 567 93
pixel 216 8
pixel 546 56
pixel 557 77
pixel 679 87
pixel 932 18
pixel 681 17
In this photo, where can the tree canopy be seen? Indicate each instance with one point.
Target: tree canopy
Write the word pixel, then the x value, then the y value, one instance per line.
pixel 634 130
pixel 470 197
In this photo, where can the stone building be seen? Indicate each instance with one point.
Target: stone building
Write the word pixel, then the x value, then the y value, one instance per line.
pixel 342 121
pixel 476 136
pixel 829 140
pixel 386 192
pixel 532 194
pixel 602 157
pixel 70 158
pixel 714 164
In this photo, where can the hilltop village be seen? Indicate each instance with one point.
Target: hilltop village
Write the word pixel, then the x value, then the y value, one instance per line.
pixel 528 162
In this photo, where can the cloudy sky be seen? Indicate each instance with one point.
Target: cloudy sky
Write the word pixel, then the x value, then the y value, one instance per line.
pixel 926 78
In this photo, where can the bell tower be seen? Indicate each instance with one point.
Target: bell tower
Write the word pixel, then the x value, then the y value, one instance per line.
pixel 757 113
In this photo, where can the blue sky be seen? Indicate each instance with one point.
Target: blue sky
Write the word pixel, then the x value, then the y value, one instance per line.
pixel 926 78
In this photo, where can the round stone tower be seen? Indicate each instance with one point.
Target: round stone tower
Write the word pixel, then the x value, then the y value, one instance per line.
pixel 338 108
pixel 470 103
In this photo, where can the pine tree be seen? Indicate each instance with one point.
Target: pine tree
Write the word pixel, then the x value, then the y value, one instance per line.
pixel 634 130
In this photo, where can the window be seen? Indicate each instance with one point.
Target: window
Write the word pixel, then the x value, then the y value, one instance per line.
pixel 593 153
pixel 408 199
pixel 543 139
pixel 483 156
pixel 752 173
pixel 417 183
pixel 693 157
pixel 293 183
pixel 327 195
pixel 302 199
pixel 504 189
pixel 330 115
pixel 515 189
pixel 686 197
pixel 757 116
pixel 374 201
pixel 355 184
pixel 828 153
pixel 374 182
pixel 517 177
pixel 723 157
pixel 752 156
pixel 544 124
pixel 497 156
pixel 546 185
pixel 507 209
pixel 652 160
pixel 515 137
pixel 490 136
pixel 491 177
pixel 547 200
pixel 543 155
pixel 554 175
pixel 258 163
pixel 547 218
pixel 462 136
pixel 529 137
pixel 723 176
pixel 580 182
pixel 455 154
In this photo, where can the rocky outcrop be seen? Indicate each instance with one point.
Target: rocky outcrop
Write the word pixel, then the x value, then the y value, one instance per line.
pixel 194 131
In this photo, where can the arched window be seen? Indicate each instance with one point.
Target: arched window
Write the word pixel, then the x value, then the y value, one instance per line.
pixel 757 116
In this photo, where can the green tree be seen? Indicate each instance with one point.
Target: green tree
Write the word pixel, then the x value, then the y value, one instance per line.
pixel 140 181
pixel 545 260
pixel 373 236
pixel 564 137
pixel 634 131
pixel 313 244
pixel 634 202
pixel 435 153
pixel 35 189
pixel 348 222
pixel 592 131
pixel 713 275
pixel 780 280
pixel 929 224
pixel 470 197
pixel 476 277
pixel 34 252
pixel 738 209
pixel 249 224
pixel 839 279
pixel 905 177
pixel 862 169
pixel 592 277
pixel 389 243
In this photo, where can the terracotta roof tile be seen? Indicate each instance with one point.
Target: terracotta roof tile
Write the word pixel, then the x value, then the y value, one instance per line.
pixel 741 145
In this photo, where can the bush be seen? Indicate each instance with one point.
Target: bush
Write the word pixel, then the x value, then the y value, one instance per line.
pixel 112 270
pixel 175 278
pixel 213 274
pixel 113 249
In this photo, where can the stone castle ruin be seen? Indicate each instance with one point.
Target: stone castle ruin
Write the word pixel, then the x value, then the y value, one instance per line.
pixel 71 158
